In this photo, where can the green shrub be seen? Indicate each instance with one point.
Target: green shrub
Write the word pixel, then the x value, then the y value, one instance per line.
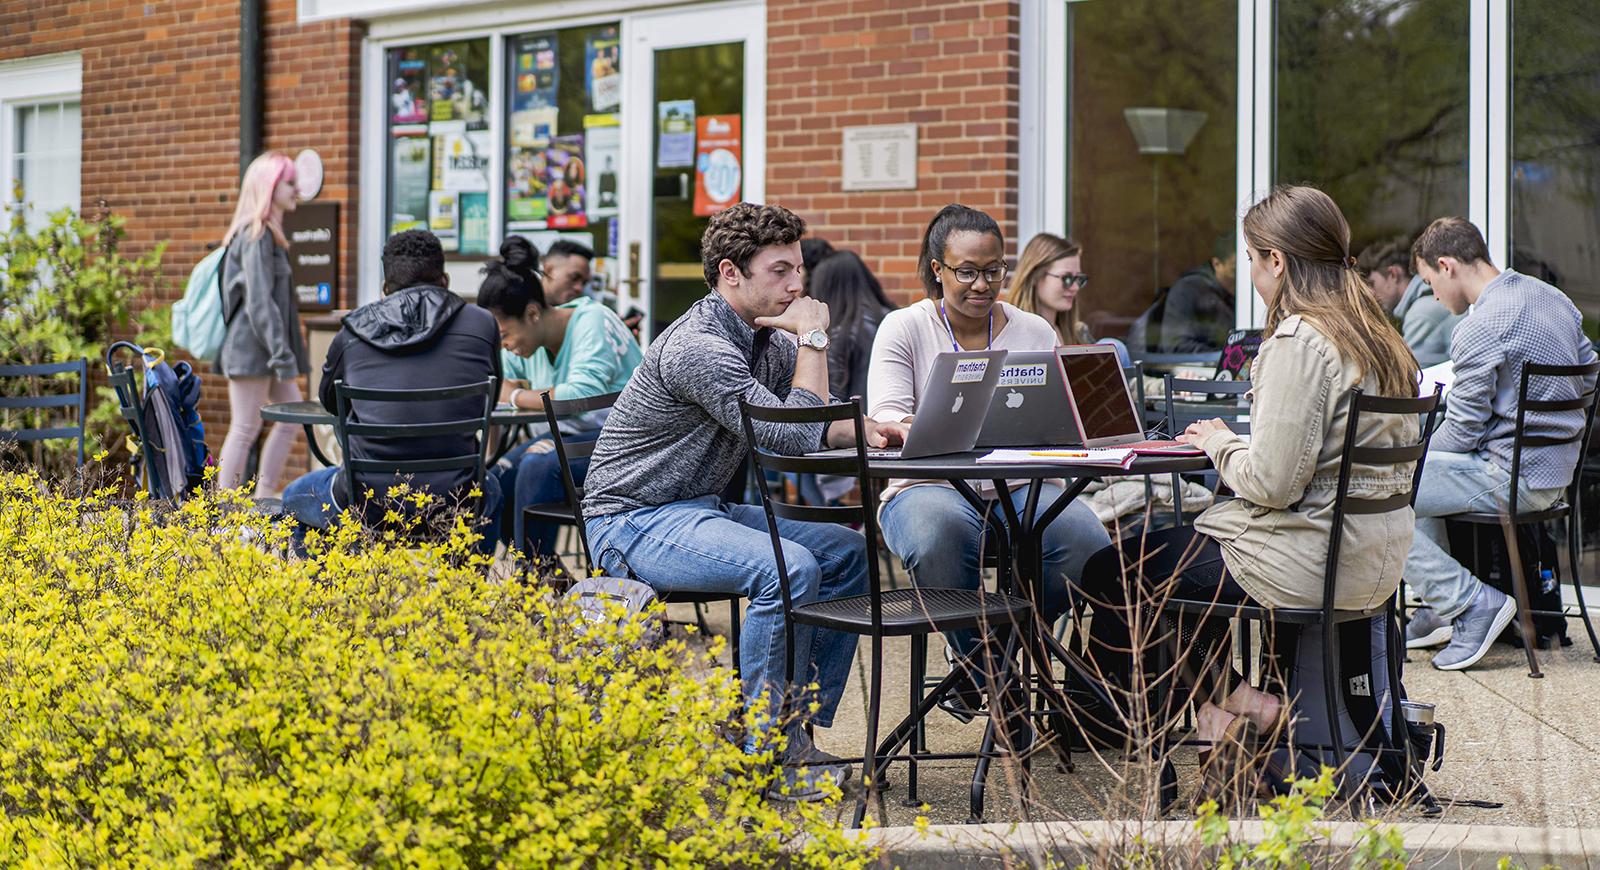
pixel 66 292
pixel 175 693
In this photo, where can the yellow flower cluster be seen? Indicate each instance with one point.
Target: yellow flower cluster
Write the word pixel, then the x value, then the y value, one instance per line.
pixel 176 691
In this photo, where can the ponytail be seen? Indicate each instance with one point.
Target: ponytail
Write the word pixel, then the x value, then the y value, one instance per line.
pixel 511 281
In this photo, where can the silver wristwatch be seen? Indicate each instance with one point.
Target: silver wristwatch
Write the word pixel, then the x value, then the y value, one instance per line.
pixel 816 339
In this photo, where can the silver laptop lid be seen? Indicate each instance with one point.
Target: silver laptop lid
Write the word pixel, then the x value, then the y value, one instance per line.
pixel 1030 407
pixel 1101 401
pixel 953 403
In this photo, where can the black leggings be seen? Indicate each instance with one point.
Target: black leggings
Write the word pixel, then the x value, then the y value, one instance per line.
pixel 1170 563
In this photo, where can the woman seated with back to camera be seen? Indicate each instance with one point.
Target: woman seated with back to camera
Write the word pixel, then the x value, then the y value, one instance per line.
pixel 937 533
pixel 1268 547
pixel 572 351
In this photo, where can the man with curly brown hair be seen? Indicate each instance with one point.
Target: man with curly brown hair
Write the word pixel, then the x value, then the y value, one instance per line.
pixel 675 439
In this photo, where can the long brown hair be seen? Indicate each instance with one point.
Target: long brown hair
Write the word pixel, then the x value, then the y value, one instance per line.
pixel 1041 251
pixel 1322 284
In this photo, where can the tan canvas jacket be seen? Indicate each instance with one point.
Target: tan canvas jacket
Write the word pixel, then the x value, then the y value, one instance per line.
pixel 1274 536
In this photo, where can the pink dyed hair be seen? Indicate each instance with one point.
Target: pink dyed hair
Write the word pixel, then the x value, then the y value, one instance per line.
pixel 255 197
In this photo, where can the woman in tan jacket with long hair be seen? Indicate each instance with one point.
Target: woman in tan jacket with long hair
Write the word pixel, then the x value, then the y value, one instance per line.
pixel 1268 546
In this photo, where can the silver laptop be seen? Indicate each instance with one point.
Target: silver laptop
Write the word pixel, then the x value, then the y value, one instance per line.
pixel 1030 406
pixel 951 407
pixel 1103 410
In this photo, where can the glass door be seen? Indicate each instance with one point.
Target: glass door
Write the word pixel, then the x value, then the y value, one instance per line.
pixel 701 100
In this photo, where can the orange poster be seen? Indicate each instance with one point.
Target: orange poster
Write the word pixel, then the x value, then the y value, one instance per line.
pixel 718 172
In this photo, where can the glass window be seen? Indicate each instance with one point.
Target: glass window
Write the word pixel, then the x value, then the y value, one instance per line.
pixel 45 157
pixel 1153 151
pixel 439 143
pixel 1371 106
pixel 1555 148
pixel 564 139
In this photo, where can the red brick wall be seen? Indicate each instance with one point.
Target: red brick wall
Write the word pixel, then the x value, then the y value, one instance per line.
pixel 161 119
pixel 950 66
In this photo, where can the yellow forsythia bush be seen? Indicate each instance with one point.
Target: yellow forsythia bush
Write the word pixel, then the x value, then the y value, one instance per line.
pixel 176 692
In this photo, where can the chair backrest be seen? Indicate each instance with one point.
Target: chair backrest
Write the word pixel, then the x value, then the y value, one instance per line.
pixel 476 426
pixel 852 464
pixel 1363 405
pixel 557 411
pixel 1181 413
pixel 1584 401
pixel 78 400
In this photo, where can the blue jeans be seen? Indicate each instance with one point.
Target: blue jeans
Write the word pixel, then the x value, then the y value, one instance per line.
pixel 532 472
pixel 939 537
pixel 705 545
pixel 309 499
pixel 1454 483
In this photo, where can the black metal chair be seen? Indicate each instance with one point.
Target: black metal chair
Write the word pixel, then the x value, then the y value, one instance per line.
pixel 570 512
pixel 78 401
pixel 880 613
pixel 1569 509
pixel 1326 617
pixel 369 475
pixel 1180 413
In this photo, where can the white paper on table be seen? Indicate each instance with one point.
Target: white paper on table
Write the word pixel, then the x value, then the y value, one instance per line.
pixel 1443 373
pixel 1061 456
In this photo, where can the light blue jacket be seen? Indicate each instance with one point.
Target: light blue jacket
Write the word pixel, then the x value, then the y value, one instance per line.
pixel 1425 323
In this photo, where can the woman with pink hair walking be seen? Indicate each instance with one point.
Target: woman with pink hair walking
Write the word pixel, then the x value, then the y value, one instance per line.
pixel 264 353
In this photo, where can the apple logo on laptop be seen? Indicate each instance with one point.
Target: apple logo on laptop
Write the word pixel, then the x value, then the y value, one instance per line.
pixel 956 408
pixel 1013 399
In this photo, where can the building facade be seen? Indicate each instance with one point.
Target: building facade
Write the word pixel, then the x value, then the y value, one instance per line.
pixel 1140 127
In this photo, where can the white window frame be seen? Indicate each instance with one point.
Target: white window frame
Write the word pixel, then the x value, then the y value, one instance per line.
pixel 29 82
pixel 1043 189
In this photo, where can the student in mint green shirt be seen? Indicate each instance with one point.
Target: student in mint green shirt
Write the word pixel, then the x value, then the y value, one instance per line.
pixel 572 351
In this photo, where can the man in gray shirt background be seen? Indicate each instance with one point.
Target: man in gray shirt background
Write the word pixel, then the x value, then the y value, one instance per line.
pixel 1514 319
pixel 1425 323
pixel 674 440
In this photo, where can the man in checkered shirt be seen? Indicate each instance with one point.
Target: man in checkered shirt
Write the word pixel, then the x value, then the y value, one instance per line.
pixel 1512 319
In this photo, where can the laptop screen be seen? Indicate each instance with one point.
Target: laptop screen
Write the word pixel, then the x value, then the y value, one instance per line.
pixel 1101 395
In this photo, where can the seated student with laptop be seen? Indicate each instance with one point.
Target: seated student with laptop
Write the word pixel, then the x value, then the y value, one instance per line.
pixel 935 532
pixel 1269 546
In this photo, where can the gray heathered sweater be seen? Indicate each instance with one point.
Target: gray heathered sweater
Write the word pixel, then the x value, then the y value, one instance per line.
pixel 674 433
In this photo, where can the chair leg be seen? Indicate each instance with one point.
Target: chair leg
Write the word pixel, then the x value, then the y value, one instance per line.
pixel 1575 556
pixel 1330 685
pixel 869 761
pixel 919 737
pixel 981 774
pixel 733 635
pixel 1519 586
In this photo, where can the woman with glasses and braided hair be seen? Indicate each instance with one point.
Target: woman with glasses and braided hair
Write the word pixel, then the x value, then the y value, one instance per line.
pixel 936 532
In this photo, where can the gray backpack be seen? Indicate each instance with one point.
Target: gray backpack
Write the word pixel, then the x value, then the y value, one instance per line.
pixel 595 596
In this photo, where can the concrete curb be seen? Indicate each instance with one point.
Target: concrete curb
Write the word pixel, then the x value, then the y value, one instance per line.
pixel 1038 843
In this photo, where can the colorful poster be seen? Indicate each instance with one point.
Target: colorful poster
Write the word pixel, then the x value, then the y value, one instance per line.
pixel 603 64
pixel 675 134
pixel 408 96
pixel 444 218
pixel 567 182
pixel 452 94
pixel 718 171
pixel 474 223
pixel 409 178
pixel 462 162
pixel 532 128
pixel 603 152
pixel 526 194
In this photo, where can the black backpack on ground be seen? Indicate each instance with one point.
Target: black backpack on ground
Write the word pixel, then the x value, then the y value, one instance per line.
pixel 1488 561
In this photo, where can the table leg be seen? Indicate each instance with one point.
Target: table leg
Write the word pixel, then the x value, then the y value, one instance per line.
pixel 311 445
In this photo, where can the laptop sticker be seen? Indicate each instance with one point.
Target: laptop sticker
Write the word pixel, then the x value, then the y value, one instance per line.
pixel 970 371
pixel 1022 376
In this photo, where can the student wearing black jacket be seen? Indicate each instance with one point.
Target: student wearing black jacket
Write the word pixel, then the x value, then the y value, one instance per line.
pixel 419 335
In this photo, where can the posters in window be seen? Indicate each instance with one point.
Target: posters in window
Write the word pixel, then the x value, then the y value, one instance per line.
pixel 535 72
pixel 527 202
pixel 410 174
pixel 444 218
pixel 453 92
pixel 567 182
pixel 408 96
pixel 675 126
pixel 602 146
pixel 718 164
pixel 603 63
pixel 474 223
pixel 462 161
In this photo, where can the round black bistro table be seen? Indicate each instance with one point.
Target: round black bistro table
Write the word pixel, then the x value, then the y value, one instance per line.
pixel 310 414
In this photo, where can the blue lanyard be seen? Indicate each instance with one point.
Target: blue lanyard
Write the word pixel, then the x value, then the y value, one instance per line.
pixel 954 345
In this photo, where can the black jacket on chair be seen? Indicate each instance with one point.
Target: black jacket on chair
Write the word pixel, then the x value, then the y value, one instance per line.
pixel 415 338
